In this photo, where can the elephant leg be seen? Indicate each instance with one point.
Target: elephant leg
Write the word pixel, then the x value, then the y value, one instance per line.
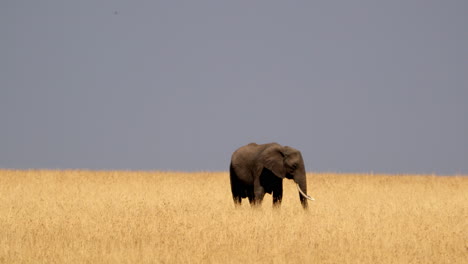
pixel 277 195
pixel 255 197
pixel 237 200
pixel 237 194
pixel 251 196
pixel 236 187
pixel 259 193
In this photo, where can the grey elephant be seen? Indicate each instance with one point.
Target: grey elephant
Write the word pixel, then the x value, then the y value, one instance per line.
pixel 258 169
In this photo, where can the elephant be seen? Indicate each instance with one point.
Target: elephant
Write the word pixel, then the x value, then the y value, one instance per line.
pixel 258 169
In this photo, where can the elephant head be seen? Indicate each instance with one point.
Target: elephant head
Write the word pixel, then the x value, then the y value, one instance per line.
pixel 287 162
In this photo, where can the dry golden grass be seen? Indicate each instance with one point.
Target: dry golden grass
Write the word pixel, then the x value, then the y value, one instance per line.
pixel 168 217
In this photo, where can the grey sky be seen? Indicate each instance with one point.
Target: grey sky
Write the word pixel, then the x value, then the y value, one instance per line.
pixel 357 86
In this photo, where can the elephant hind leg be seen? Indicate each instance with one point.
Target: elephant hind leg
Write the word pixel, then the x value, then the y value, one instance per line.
pixel 236 187
pixel 256 195
pixel 251 197
pixel 237 200
pixel 237 194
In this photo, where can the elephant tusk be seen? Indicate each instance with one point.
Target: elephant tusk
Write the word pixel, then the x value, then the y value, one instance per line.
pixel 303 194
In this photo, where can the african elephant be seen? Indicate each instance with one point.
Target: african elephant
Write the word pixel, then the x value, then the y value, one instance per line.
pixel 259 169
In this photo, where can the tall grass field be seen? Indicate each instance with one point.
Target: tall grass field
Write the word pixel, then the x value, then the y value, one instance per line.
pixel 175 217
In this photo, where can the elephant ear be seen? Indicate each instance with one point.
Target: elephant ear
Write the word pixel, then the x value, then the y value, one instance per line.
pixel 274 161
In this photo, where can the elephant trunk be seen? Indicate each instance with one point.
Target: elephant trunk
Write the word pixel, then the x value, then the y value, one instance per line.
pixel 301 183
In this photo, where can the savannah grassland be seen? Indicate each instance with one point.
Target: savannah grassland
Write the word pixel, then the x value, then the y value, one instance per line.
pixel 172 217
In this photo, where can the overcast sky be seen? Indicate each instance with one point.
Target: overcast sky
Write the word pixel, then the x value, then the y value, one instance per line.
pixel 357 86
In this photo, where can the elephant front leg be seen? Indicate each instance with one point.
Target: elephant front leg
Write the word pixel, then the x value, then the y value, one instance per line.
pixel 277 195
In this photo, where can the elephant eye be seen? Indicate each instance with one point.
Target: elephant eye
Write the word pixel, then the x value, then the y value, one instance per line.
pixel 294 166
